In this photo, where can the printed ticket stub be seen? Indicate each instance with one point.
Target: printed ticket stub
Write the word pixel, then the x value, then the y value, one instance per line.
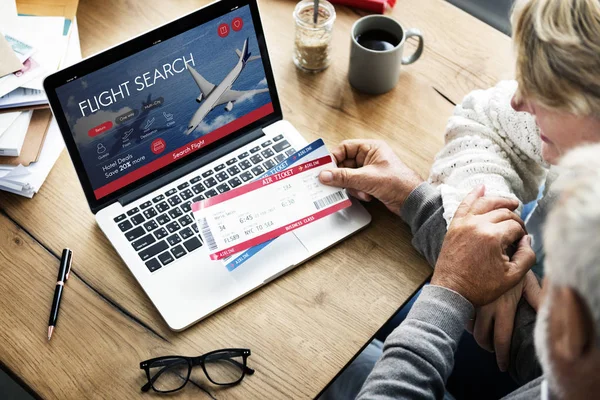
pixel 267 208
pixel 314 150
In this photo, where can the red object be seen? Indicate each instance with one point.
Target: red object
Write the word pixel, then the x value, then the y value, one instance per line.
pixel 95 131
pixel 158 146
pixel 237 24
pixel 280 231
pixel 223 30
pixel 193 146
pixel 376 6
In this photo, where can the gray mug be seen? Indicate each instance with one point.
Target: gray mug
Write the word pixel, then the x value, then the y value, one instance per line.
pixel 373 71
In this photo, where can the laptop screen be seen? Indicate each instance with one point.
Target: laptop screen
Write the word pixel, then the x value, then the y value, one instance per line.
pixel 166 102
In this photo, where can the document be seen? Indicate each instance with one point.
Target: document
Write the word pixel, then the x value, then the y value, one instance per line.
pixel 6 120
pixel 22 97
pixel 45 34
pixel 8 14
pixel 30 70
pixel 267 208
pixel 314 150
pixel 12 139
pixel 9 62
pixel 34 138
pixel 21 49
pixel 26 181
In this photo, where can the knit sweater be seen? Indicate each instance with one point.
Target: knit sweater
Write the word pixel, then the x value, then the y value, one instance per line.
pixel 488 142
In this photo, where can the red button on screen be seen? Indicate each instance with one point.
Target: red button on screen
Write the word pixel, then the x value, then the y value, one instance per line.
pixel 223 30
pixel 100 129
pixel 158 146
pixel 237 24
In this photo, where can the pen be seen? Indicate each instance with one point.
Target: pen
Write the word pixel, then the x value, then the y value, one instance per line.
pixel 63 275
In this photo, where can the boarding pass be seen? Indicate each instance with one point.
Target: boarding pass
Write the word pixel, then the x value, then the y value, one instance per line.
pixel 311 151
pixel 264 209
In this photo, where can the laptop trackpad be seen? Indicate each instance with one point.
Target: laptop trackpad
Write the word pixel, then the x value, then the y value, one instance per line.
pixel 277 256
pixel 325 232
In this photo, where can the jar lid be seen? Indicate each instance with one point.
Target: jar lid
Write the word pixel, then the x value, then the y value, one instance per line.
pixel 303 14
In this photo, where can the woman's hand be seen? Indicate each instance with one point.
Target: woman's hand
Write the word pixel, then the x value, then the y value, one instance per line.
pixel 369 168
pixel 493 325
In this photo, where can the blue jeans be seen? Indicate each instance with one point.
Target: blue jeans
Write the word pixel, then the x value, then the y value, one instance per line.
pixel 348 384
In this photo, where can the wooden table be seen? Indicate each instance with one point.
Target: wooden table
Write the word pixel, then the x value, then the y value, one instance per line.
pixel 304 327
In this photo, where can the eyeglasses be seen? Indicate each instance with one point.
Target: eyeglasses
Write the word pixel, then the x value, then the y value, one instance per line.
pixel 226 367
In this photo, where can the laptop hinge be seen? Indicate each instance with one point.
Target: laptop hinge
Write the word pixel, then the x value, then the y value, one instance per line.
pixel 192 166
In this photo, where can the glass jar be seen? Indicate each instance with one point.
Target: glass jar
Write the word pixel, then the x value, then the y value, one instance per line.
pixel 312 45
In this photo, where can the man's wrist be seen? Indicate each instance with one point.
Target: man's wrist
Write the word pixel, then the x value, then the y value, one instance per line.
pixel 409 184
pixel 422 197
pixel 403 187
pixel 444 308
pixel 449 280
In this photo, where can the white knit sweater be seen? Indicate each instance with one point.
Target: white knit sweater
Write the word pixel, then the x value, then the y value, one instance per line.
pixel 488 142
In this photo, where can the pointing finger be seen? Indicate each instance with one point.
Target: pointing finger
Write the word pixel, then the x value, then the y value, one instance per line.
pixel 469 201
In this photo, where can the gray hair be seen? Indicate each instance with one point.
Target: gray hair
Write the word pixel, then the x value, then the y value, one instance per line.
pixel 572 231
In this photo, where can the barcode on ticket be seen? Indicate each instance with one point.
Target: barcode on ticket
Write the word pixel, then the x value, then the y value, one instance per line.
pixel 329 200
pixel 207 235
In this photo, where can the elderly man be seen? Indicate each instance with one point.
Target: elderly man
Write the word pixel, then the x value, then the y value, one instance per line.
pixel 418 355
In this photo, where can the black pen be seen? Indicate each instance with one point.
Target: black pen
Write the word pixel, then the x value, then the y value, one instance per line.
pixel 63 275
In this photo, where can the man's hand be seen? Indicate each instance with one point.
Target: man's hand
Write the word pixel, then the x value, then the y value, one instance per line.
pixel 494 323
pixel 473 261
pixel 369 168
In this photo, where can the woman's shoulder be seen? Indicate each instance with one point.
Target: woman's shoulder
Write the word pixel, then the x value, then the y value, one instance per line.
pixel 488 113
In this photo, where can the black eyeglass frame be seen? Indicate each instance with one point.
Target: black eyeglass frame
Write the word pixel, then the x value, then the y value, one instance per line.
pixel 193 362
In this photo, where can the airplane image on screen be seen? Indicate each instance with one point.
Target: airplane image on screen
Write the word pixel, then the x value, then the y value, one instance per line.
pixel 212 96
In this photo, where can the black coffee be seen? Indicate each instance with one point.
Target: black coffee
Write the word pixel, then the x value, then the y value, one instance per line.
pixel 377 40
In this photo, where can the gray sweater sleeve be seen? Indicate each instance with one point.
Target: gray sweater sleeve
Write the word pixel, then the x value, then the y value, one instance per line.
pixel 423 212
pixel 418 356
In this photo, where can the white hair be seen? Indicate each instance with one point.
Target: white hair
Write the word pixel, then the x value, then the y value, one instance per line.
pixel 572 231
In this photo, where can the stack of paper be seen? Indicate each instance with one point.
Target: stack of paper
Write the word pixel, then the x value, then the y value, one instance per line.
pixel 31 47
pixel 13 135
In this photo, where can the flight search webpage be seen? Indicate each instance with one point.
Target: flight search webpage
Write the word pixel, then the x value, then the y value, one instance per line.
pixel 164 103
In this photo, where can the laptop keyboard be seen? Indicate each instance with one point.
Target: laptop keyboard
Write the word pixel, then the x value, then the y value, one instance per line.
pixel 163 229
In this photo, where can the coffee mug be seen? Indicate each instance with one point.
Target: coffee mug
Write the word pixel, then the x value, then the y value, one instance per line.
pixel 377 71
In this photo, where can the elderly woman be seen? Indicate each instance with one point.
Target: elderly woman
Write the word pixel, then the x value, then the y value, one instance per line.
pixel 507 137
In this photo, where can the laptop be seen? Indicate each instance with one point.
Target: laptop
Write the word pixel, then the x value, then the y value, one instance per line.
pixel 179 114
